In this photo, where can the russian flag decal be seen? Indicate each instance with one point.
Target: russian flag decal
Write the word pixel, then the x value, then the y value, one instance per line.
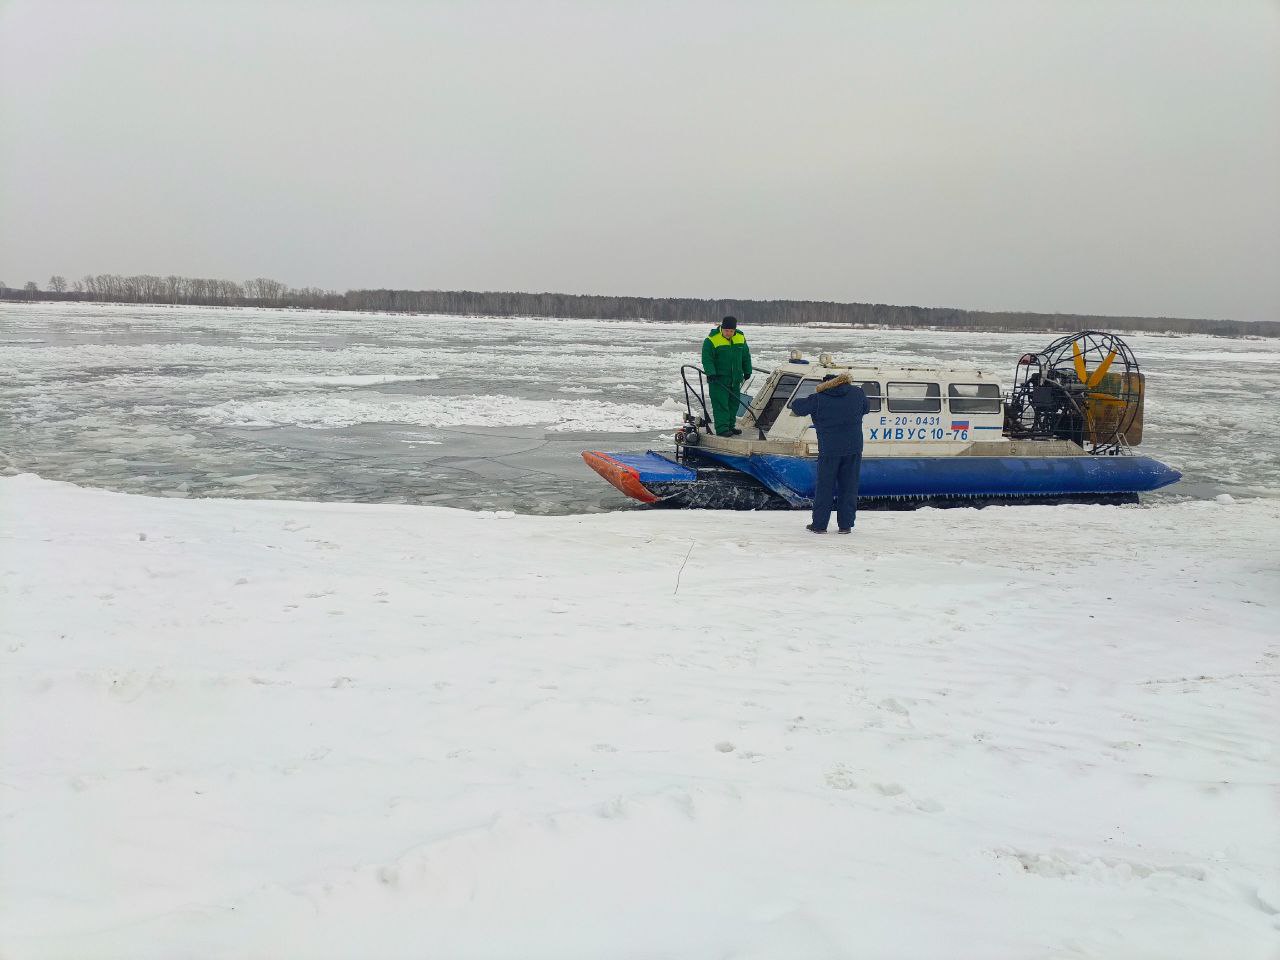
pixel 958 425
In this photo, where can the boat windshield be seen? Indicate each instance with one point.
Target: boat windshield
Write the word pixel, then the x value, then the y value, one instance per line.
pixel 870 387
pixel 807 389
pixel 781 394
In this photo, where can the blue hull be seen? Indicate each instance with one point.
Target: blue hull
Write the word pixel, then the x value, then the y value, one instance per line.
pixel 793 478
pixel 708 479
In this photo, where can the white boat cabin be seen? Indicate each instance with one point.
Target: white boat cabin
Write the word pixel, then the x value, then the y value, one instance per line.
pixel 913 411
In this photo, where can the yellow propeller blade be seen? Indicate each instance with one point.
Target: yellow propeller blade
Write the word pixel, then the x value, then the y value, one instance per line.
pixel 1095 378
pixel 1081 373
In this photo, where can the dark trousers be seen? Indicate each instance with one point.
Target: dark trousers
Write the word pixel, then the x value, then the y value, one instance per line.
pixel 838 487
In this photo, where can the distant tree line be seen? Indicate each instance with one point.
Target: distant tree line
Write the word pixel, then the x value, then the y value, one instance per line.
pixel 262 292
pixel 148 288
pixel 791 312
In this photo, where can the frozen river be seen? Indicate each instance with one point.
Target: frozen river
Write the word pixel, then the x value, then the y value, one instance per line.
pixel 484 413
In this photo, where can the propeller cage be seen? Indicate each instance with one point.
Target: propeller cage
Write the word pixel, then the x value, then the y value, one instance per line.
pixel 1085 388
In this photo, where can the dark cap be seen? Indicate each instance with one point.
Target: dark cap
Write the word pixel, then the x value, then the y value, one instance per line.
pixel 730 322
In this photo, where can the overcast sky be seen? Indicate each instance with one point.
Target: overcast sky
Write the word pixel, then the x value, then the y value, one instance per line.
pixel 1105 157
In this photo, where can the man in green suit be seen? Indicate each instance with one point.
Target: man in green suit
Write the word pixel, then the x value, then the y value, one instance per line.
pixel 727 362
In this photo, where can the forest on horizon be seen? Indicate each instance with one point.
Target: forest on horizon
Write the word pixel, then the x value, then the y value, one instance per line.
pixel 263 292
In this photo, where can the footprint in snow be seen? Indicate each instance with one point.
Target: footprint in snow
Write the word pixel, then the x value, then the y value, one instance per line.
pixel 1269 897
pixel 897 790
pixel 840 777
pixel 614 808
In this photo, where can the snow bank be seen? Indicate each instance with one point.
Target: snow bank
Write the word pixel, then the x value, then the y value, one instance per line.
pixel 256 729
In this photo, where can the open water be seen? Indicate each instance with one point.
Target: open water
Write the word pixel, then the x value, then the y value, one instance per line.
pixel 486 413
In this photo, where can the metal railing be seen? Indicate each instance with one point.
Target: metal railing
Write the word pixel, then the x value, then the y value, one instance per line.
pixel 699 394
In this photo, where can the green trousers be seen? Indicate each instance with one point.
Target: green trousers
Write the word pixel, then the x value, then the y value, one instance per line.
pixel 724 403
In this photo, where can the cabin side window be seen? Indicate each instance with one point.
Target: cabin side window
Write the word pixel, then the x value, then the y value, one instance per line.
pixel 781 394
pixel 914 398
pixel 974 397
pixel 872 389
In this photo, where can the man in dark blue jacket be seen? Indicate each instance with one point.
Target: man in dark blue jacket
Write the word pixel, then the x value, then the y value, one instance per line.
pixel 837 409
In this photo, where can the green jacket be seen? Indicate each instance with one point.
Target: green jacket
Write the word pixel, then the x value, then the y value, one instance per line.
pixel 728 360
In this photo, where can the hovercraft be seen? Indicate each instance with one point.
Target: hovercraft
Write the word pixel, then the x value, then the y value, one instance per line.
pixel 1062 431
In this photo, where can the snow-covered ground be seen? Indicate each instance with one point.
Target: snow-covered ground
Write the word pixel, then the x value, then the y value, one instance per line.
pixel 274 729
